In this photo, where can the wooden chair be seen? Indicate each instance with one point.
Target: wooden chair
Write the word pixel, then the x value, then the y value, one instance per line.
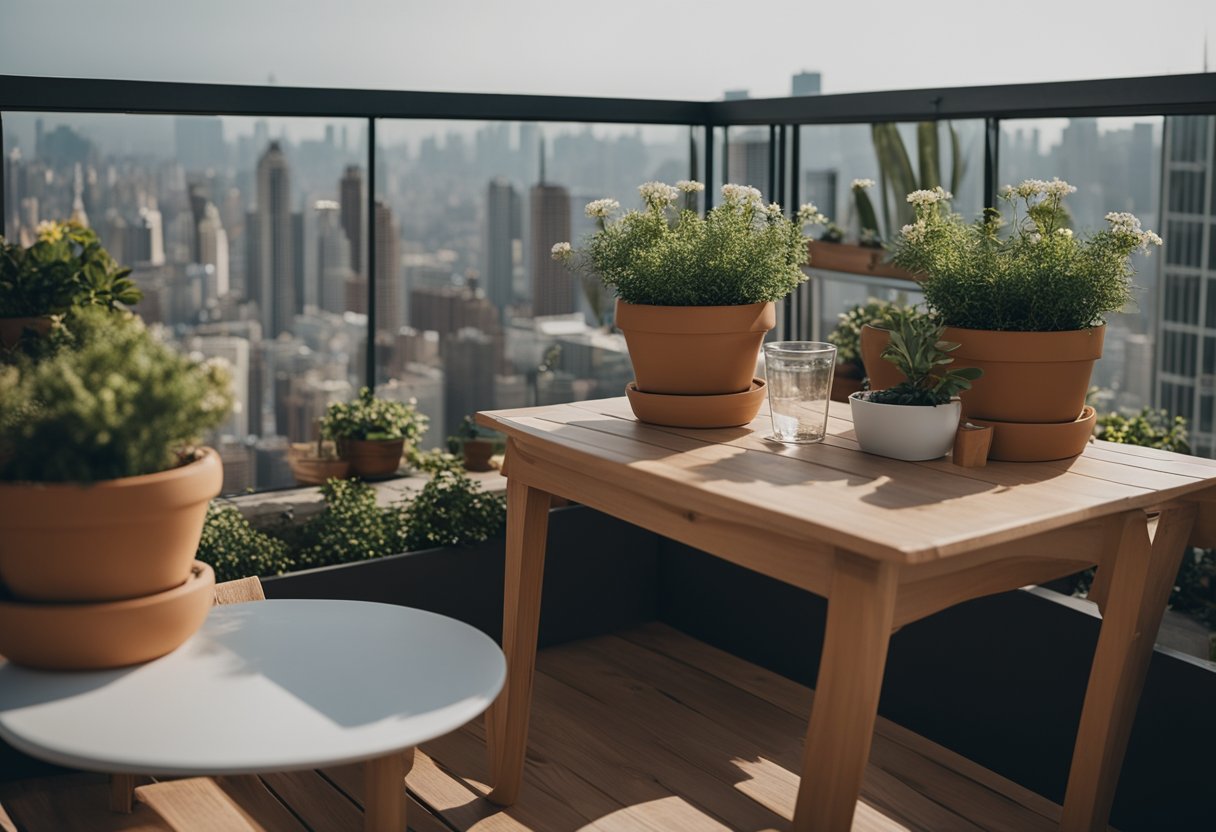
pixel 122 786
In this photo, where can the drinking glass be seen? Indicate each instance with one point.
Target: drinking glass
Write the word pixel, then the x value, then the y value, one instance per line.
pixel 799 379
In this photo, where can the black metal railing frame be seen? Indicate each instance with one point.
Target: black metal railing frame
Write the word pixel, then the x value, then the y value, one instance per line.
pixel 1155 95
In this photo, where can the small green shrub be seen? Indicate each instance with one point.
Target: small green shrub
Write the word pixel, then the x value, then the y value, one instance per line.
pixel 369 417
pixel 351 527
pixel 237 550
pixel 66 267
pixel 113 402
pixel 1149 429
pixel 847 334
pixel 451 510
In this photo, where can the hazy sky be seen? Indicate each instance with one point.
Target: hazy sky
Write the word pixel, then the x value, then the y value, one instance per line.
pixel 631 48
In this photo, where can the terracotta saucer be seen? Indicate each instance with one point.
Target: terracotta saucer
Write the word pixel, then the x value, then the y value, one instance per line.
pixel 1039 441
pixel 97 636
pixel 728 410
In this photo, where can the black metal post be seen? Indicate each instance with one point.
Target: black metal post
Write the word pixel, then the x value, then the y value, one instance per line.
pixel 709 167
pixel 3 186
pixel 725 154
pixel 772 162
pixel 371 253
pixel 992 158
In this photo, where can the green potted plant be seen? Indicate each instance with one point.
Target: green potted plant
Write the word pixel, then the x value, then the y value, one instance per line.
pixel 476 451
pixel 860 339
pixel 1028 304
pixel 371 432
pixel 65 268
pixel 917 418
pixel 103 490
pixel 695 295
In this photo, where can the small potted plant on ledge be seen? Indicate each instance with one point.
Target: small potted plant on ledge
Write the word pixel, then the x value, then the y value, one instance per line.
pixel 1027 306
pixel 475 449
pixel 371 432
pixel 65 268
pixel 916 419
pixel 695 295
pixel 103 492
pixel 867 256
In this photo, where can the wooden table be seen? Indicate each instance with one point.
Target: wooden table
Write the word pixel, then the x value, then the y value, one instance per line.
pixel 886 542
pixel 265 687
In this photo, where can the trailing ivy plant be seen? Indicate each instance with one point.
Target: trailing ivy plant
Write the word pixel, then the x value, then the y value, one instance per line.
pixel 65 268
pixel 370 417
pixel 919 352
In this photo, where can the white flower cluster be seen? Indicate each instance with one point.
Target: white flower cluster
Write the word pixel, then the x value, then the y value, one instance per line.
pixel 561 251
pixel 923 199
pixel 1064 232
pixel 602 207
pixel 689 186
pixel 862 184
pixel 1122 222
pixel 915 232
pixel 1028 188
pixel 808 214
pixel 741 195
pixel 658 194
pixel 773 209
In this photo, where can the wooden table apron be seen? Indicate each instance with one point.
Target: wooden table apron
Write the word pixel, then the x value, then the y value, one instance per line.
pixel 1137 550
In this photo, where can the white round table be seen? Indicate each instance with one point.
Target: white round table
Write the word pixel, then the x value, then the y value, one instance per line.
pixel 267 686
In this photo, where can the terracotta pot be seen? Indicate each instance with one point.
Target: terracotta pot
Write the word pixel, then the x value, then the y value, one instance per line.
pixel 844 386
pixel 694 350
pixel 314 471
pixel 477 453
pixel 11 329
pixel 1028 376
pixel 853 259
pixel 901 431
pixel 882 373
pixel 372 458
pixel 109 634
pixel 729 410
pixel 111 540
pixel 1039 441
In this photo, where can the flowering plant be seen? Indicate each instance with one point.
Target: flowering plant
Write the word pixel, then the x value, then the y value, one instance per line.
pixel 741 252
pixel 1040 277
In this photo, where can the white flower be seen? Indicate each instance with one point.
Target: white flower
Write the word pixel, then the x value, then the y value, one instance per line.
pixel 1150 237
pixel 602 207
pixel 561 251
pixel 1058 187
pixel 658 194
pixel 773 210
pixel 689 186
pixel 1064 232
pixel 740 195
pixel 915 232
pixel 1006 191
pixel 862 184
pixel 1121 222
pixel 808 214
pixel 1034 237
pixel 923 199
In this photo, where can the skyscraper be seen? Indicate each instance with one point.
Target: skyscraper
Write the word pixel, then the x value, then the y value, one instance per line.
pixel 333 257
pixel 213 247
pixel 1186 317
pixel 390 308
pixel 747 160
pixel 552 283
pixel 503 229
pixel 354 214
pixel 273 287
pixel 806 83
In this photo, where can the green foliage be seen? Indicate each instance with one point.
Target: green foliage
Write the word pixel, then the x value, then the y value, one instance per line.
pixel 369 417
pixel 741 252
pixel 351 528
pixel 896 175
pixel 113 401
pixel 1149 429
pixel 1038 278
pixel 237 550
pixel 847 334
pixel 918 350
pixel 866 216
pixel 66 268
pixel 451 510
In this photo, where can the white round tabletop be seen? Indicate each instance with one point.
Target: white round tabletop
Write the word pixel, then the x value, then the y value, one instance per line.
pixel 263 686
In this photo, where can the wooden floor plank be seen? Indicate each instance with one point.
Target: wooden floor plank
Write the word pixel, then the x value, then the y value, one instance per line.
pixel 316 801
pixel 72 803
pixel 349 779
pixel 221 804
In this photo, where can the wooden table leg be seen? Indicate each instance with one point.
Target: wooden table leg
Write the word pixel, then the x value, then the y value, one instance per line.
pixel 861 608
pixel 122 793
pixel 384 798
pixel 507 718
pixel 1142 575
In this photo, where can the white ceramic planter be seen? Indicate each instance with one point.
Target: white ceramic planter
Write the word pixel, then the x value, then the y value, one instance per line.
pixel 905 431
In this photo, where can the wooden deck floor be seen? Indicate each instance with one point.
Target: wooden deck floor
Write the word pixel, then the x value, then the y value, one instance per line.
pixel 643 730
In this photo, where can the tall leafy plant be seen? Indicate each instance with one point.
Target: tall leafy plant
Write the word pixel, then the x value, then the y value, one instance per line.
pixel 897 175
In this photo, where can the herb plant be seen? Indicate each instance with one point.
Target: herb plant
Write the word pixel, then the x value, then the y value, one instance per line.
pixel 114 402
pixel 741 252
pixel 66 267
pixel 1037 277
pixel 369 417
pixel 918 350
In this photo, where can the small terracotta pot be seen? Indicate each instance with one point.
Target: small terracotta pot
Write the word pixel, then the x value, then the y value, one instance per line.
pixel 1028 376
pixel 314 471
pixel 694 350
pixel 853 259
pixel 11 329
pixel 477 453
pixel 107 541
pixel 109 634
pixel 882 373
pixel 372 458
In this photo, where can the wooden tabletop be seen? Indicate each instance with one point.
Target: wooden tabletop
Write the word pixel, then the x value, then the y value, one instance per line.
pixel 906 512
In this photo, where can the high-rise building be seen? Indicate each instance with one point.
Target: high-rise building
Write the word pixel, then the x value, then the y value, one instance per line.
pixel 390 310
pixel 354 214
pixel 552 282
pixel 1186 317
pixel 468 370
pixel 273 285
pixel 747 160
pixel 503 231
pixel 146 243
pixel 333 257
pixel 213 247
pixel 806 83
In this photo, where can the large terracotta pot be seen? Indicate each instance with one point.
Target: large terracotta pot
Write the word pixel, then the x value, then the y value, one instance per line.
pixel 694 350
pixel 11 329
pixel 1028 376
pixel 372 458
pixel 106 541
pixel 881 372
